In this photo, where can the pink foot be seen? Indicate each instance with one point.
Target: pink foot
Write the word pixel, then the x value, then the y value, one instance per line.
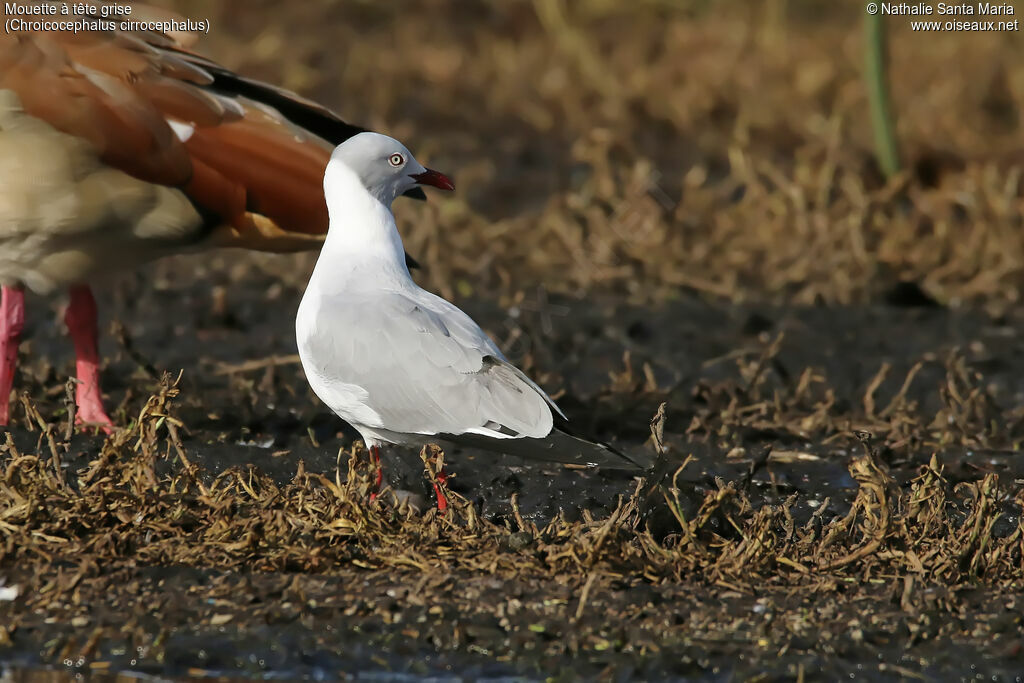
pixel 81 321
pixel 12 320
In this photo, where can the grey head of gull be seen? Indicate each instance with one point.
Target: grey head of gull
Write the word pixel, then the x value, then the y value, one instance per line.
pixel 398 363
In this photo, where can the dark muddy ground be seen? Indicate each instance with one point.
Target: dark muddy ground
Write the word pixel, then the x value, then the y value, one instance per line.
pixel 481 616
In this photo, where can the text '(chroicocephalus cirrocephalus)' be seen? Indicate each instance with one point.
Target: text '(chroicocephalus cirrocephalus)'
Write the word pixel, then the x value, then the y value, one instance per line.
pixel 402 365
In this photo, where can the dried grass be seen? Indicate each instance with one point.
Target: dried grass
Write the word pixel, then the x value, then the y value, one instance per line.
pixel 141 502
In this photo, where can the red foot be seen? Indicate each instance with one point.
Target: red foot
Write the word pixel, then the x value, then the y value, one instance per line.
pixel 81 321
pixel 12 320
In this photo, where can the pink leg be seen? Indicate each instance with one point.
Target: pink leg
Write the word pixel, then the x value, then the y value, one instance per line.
pixel 12 320
pixel 378 477
pixel 81 321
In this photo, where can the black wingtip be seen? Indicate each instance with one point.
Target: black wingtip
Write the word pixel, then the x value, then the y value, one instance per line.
pixel 618 459
pixel 559 446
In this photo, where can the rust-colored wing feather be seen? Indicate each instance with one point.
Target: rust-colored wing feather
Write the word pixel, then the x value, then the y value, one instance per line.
pixel 127 132
pixel 251 154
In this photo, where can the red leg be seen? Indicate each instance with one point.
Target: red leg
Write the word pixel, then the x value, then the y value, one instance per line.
pixel 81 321
pixel 12 320
pixel 378 477
pixel 442 500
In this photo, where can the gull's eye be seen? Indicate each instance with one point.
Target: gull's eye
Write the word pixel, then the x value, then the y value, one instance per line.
pixel 396 160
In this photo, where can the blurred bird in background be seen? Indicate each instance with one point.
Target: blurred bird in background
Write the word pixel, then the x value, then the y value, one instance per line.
pixel 117 148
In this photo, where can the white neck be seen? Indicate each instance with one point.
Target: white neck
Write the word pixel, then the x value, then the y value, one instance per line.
pixel 362 234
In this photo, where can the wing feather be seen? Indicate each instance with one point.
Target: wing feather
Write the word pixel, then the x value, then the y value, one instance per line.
pixel 423 366
pixel 256 168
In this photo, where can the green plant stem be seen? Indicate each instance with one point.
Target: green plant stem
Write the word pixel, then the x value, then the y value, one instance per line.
pixel 876 76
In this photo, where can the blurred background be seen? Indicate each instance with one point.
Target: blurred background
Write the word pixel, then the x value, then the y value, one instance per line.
pixel 659 147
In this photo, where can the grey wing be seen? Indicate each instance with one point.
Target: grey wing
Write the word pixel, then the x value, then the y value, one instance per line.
pixel 426 368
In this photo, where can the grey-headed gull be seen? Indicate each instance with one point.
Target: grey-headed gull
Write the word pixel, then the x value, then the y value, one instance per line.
pixel 398 363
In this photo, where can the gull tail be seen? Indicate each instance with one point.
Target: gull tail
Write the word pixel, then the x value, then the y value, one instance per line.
pixel 559 446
